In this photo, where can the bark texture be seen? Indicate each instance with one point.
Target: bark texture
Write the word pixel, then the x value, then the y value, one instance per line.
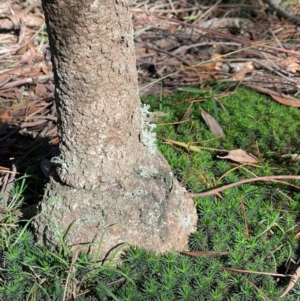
pixel 108 184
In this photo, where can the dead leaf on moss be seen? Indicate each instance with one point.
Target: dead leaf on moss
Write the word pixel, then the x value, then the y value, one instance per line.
pixel 212 124
pixel 286 100
pixel 240 156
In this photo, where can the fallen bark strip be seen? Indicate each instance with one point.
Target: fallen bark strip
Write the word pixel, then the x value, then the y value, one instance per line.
pixel 292 282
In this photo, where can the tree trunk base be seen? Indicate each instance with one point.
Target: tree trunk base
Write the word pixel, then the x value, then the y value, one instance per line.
pixel 148 209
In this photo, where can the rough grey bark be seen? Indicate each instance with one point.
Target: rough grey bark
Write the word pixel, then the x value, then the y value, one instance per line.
pixel 108 184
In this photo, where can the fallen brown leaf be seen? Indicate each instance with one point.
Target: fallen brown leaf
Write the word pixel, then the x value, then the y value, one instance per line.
pixel 240 156
pixel 288 101
pixel 212 124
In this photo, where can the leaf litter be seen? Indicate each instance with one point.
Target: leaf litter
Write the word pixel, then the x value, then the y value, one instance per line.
pixel 182 47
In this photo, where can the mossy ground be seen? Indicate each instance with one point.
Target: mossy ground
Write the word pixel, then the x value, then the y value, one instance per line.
pixel 255 223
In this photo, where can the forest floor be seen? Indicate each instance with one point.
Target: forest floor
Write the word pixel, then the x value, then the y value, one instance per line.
pixel 205 51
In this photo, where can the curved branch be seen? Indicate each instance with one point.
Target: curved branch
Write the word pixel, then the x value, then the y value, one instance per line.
pixel 245 181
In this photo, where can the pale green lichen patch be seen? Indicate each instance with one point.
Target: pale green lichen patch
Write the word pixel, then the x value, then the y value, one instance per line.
pixel 148 135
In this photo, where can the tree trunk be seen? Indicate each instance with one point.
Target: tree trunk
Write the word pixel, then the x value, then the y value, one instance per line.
pixel 111 182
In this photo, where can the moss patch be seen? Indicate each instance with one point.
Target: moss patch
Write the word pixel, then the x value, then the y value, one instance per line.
pixel 256 223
